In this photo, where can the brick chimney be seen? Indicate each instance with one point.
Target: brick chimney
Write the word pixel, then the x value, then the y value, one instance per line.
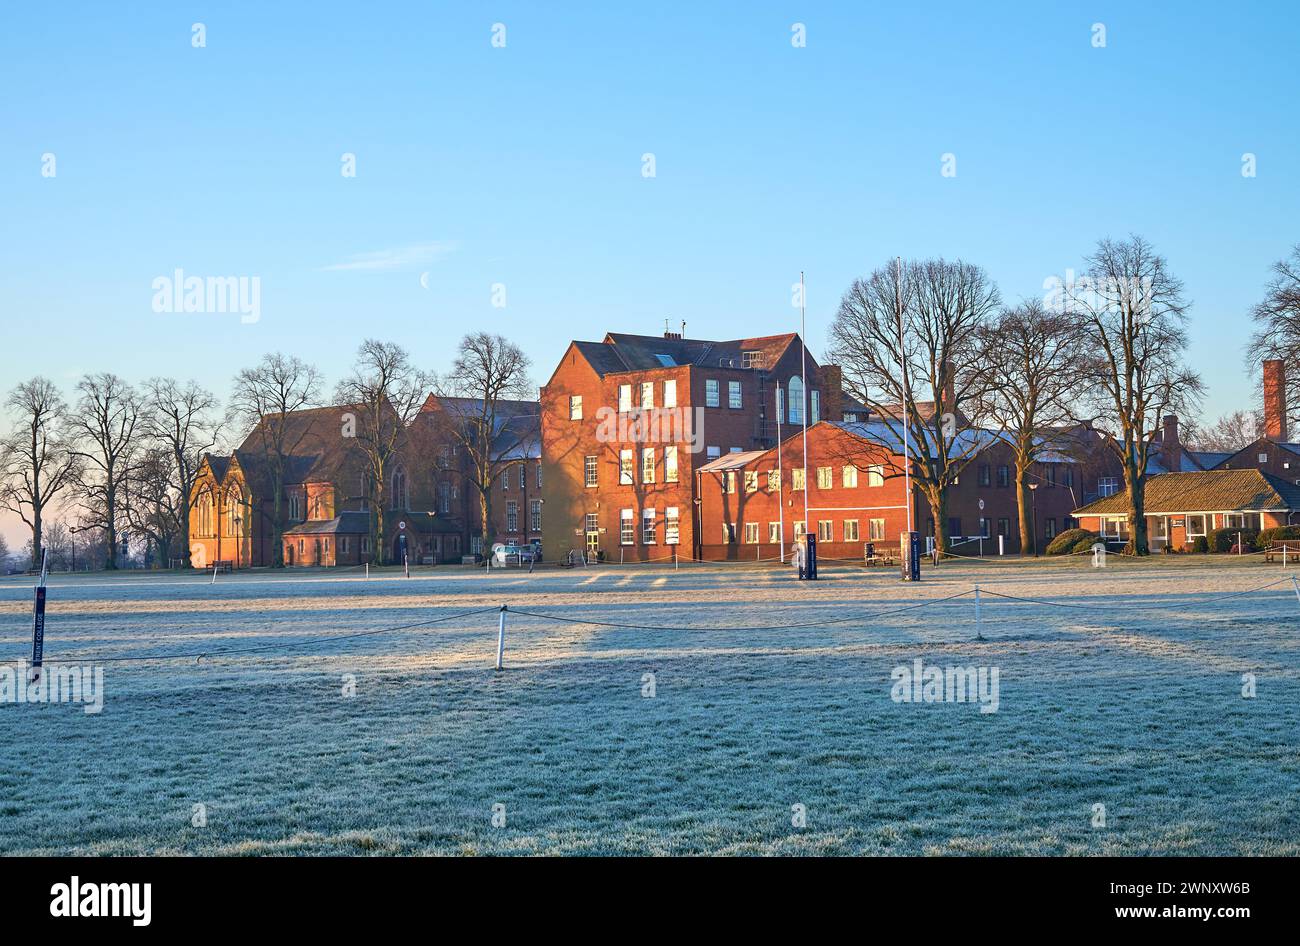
pixel 832 393
pixel 1275 399
pixel 1171 451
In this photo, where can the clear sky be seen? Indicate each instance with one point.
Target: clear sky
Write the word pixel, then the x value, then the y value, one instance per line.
pixel 522 166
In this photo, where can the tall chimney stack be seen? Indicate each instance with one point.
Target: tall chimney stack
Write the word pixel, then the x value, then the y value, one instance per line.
pixel 1171 451
pixel 1275 399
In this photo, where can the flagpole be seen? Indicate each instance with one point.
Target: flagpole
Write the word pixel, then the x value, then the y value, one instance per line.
pixel 902 359
pixel 780 476
pixel 807 398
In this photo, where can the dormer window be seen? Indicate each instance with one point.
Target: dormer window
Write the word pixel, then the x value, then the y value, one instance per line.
pixel 751 359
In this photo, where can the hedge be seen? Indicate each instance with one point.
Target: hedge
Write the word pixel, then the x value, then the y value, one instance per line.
pixel 1222 540
pixel 1069 540
pixel 1278 533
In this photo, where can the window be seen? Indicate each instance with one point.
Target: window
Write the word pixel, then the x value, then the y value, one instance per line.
pixel 593 522
pixel 1004 475
pixel 713 452
pixel 1263 458
pixel 733 395
pixel 647 464
pixel 647 395
pixel 876 475
pixel 751 359
pixel 626 474
pixel 796 400
pixel 1049 528
pixel 648 533
pixel 539 474
pixel 1115 528
pixel 475 544
pixel 954 526
pixel 1067 476
pixel 589 470
pixel 512 516
pixel 1049 473
pixel 986 475
pixel 535 513
pixel 849 475
pixel 1107 485
pixel 523 476
pixel 736 450
pixel 773 481
pixel 850 530
pixel 751 481
pixel 205 514
pixel 505 480
pixel 1195 526
pixel 670 464
pixel 797 478
pixel 815 410
pixel 825 530
pixel 302 548
pixel 751 533
pixel 624 398
pixel 670 393
pixel 575 407
pixel 800 528
pixel 672 526
pixel 985 525
pixel 1004 527
pixel 774 533
pixel 295 506
pixel 729 481
pixel 711 398
pixel 343 545
pixel 444 497
pixel 825 477
pixel 729 533
pixel 877 533
pixel 626 528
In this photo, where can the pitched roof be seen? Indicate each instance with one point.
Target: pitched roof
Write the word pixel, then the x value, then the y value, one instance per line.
pixel 516 428
pixel 621 352
pixel 348 523
pixel 732 461
pixel 1205 491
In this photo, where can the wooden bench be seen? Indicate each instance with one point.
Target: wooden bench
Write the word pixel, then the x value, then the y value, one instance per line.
pixel 1285 550
pixel 225 567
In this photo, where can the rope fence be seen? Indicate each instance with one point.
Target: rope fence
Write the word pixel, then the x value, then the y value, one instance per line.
pixel 858 616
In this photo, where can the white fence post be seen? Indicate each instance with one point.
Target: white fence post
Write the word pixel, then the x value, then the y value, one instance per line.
pixel 214 574
pixel 1001 548
pixel 979 631
pixel 501 636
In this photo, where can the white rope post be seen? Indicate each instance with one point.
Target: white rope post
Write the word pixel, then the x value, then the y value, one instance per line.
pixel 406 564
pixel 979 631
pixel 674 558
pixel 367 571
pixel 214 574
pixel 1284 555
pixel 501 636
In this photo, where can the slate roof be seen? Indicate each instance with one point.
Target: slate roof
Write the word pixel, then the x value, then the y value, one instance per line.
pixel 732 461
pixel 1205 491
pixel 621 352
pixel 346 523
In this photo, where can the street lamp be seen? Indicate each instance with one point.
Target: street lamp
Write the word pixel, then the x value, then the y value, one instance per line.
pixel 72 533
pixel 1033 516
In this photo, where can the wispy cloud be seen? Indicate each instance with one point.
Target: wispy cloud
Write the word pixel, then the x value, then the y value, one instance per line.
pixel 402 257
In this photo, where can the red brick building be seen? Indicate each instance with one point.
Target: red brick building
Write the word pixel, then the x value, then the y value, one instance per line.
pixel 626 423
pixel 433 511
pixel 854 490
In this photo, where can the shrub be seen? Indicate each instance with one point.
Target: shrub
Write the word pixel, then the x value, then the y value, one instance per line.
pixel 1069 541
pixel 1200 545
pixel 1222 540
pixel 1277 534
pixel 1086 543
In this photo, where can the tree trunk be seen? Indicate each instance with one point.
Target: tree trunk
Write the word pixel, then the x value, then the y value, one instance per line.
pixel 38 535
pixel 1028 540
pixel 277 523
pixel 110 525
pixel 485 513
pixel 377 520
pixel 938 499
pixel 1137 520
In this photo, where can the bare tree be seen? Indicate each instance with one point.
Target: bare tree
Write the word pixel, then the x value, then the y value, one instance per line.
pixel 943 307
pixel 179 420
pixel 1134 317
pixel 153 505
pixel 264 399
pixel 1277 321
pixel 36 463
pixel 386 390
pixel 105 425
pixel 1228 434
pixel 488 371
pixel 1033 358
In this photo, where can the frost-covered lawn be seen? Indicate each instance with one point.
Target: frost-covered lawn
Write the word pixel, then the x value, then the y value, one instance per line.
pixel 1138 710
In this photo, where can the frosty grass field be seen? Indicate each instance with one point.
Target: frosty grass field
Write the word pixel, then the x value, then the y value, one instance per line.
pixel 1139 710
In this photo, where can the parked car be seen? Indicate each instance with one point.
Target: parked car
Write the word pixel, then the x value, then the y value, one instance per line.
pixel 512 553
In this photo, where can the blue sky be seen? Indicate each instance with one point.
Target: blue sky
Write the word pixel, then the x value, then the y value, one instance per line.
pixel 522 166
